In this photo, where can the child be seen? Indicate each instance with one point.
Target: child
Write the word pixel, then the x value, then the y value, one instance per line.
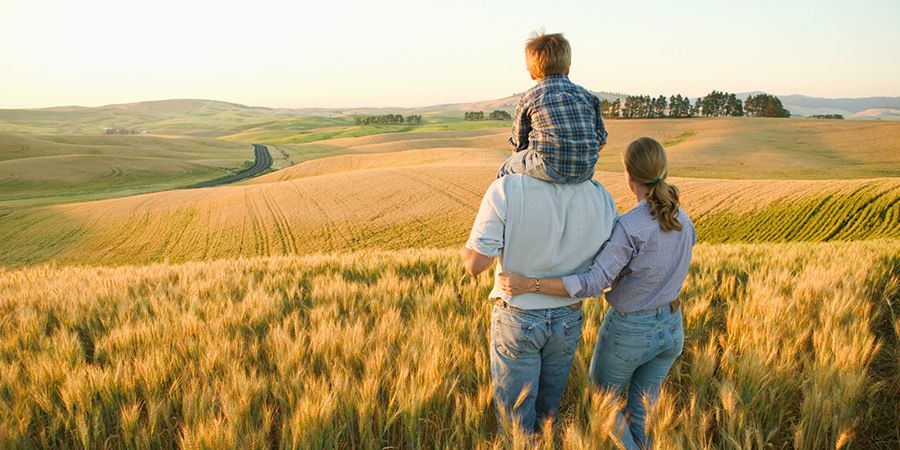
pixel 557 131
pixel 644 262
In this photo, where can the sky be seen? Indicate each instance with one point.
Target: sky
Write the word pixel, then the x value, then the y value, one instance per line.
pixel 414 53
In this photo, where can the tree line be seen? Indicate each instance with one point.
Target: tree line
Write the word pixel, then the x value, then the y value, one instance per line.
pixel 827 116
pixel 388 119
pixel 714 104
pixel 496 114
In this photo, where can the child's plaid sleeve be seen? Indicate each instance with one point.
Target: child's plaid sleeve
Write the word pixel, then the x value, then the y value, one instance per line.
pixel 521 126
pixel 601 127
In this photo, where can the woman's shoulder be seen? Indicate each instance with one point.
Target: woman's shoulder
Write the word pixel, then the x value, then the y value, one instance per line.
pixel 637 218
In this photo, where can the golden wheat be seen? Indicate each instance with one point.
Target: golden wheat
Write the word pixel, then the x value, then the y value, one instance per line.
pixel 787 345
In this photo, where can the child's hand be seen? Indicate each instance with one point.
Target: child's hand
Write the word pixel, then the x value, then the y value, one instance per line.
pixel 512 283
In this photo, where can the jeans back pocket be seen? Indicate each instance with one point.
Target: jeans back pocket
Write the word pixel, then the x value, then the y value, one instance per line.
pixel 513 334
pixel 573 332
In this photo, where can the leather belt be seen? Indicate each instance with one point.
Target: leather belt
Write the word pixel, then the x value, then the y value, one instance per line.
pixel 675 304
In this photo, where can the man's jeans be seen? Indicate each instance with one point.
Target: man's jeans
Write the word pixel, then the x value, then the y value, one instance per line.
pixel 636 350
pixel 532 350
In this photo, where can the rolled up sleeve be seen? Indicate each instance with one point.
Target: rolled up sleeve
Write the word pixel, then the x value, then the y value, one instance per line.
pixel 488 230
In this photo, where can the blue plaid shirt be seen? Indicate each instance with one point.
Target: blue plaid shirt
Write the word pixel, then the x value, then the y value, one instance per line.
pixel 561 122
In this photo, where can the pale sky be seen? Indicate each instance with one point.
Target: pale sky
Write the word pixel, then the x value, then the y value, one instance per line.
pixel 413 53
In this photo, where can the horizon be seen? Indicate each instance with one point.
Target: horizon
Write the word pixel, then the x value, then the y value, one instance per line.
pixel 103 53
pixel 250 105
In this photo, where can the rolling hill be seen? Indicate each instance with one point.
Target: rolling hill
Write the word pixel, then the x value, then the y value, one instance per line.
pixel 405 199
pixel 51 169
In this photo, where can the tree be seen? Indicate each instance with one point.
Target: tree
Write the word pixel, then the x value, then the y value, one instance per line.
pixel 733 106
pixel 499 114
pixel 614 109
pixel 660 107
pixel 765 105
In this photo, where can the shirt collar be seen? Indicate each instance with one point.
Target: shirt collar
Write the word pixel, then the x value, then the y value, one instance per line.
pixel 555 76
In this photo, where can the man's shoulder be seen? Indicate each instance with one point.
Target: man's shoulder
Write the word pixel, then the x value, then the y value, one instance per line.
pixel 589 189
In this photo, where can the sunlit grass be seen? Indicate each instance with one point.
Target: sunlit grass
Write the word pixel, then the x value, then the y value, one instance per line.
pixel 389 349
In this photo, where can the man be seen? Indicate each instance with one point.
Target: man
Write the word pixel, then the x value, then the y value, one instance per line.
pixel 538 229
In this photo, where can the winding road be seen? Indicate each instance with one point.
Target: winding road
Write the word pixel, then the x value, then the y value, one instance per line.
pixel 263 162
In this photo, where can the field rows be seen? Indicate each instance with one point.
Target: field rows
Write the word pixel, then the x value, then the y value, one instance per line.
pixel 415 199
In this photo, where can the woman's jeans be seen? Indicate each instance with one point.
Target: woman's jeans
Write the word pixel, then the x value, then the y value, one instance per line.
pixel 532 352
pixel 636 350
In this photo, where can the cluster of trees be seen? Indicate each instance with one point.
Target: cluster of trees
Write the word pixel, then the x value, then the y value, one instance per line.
pixel 388 119
pixel 496 114
pixel 827 116
pixel 644 106
pixel 719 104
pixel 765 105
pixel 714 104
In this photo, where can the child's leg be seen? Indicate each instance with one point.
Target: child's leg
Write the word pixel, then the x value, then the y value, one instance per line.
pixel 525 162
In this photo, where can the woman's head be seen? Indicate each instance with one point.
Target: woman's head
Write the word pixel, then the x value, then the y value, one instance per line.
pixel 645 162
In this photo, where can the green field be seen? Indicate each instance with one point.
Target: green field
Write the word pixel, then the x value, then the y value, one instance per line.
pixel 53 169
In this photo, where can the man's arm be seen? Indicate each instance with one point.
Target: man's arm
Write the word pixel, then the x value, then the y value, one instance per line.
pixel 486 239
pixel 475 262
pixel 614 255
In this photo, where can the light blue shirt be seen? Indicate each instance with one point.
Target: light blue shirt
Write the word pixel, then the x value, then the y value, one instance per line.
pixel 541 229
pixel 644 265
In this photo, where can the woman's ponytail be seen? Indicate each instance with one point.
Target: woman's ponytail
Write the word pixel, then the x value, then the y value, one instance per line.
pixel 645 160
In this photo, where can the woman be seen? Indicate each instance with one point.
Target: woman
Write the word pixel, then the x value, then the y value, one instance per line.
pixel 645 262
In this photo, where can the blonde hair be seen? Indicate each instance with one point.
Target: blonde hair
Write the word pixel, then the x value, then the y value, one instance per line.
pixel 547 54
pixel 645 161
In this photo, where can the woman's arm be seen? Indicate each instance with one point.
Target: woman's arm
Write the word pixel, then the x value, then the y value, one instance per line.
pixel 614 255
pixel 516 284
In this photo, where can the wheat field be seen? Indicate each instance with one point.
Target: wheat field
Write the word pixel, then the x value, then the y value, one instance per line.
pixel 787 345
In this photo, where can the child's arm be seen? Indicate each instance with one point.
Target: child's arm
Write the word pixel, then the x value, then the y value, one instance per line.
pixel 601 127
pixel 521 126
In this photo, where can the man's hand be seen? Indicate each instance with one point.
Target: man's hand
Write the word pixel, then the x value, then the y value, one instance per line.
pixel 515 284
pixel 475 262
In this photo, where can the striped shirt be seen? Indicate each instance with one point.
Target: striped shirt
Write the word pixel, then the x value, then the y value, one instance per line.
pixel 644 266
pixel 561 122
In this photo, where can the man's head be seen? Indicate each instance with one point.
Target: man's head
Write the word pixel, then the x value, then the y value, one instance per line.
pixel 547 54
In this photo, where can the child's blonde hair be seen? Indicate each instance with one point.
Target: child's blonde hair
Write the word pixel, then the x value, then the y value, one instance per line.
pixel 547 54
pixel 645 161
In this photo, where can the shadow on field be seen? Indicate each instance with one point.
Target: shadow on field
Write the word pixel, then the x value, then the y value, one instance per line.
pixel 883 410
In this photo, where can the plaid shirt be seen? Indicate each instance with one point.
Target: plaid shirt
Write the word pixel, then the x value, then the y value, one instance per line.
pixel 561 122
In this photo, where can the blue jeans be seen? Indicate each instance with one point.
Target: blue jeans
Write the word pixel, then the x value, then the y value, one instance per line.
pixel 636 350
pixel 532 350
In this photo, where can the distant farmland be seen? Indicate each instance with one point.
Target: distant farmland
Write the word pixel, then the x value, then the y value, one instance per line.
pixel 407 199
